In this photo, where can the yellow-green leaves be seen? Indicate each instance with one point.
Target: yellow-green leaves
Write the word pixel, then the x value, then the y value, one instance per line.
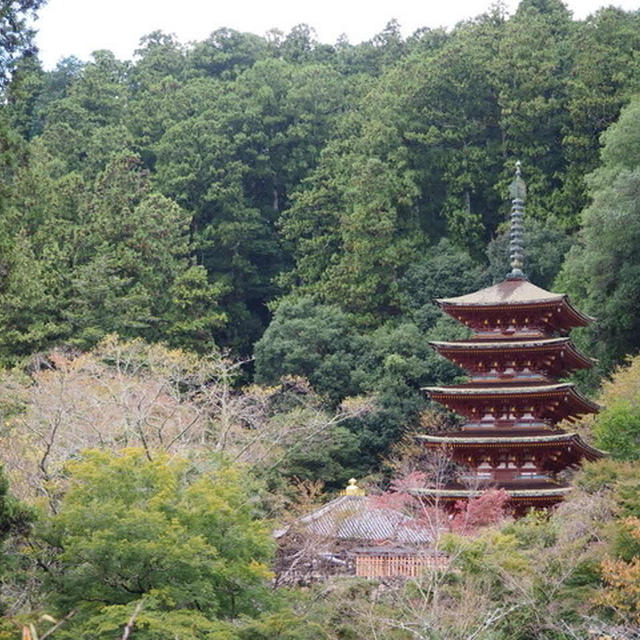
pixel 130 529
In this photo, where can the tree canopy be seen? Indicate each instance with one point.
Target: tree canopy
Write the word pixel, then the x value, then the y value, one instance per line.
pixel 132 530
pixel 281 166
pixel 218 270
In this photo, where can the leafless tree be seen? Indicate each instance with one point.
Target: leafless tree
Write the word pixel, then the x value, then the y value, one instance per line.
pixel 130 394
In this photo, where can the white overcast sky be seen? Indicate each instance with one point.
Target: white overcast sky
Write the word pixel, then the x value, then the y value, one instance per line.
pixel 78 27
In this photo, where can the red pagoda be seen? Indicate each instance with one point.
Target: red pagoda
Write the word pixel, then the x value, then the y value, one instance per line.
pixel 513 400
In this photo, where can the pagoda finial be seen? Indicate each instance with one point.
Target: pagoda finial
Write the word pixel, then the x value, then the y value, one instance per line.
pixel 518 191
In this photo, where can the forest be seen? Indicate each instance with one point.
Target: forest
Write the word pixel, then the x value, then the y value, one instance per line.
pixel 218 267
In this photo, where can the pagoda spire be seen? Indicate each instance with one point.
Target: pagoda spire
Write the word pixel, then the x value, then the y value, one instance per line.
pixel 518 192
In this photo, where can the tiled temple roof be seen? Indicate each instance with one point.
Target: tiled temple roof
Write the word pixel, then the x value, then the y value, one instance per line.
pixel 355 518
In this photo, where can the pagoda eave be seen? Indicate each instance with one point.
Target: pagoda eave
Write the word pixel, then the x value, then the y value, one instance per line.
pixel 556 354
pixel 515 295
pixel 520 501
pixel 558 319
pixel 572 448
pixel 559 401
pixel 460 494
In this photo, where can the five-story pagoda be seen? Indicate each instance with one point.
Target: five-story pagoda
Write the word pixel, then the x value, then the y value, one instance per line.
pixel 513 401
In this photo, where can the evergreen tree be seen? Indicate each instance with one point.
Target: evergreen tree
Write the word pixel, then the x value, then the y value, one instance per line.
pixel 312 340
pixel 16 33
pixel 602 271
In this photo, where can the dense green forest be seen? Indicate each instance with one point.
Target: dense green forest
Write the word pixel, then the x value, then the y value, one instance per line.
pixel 300 203
pixel 218 263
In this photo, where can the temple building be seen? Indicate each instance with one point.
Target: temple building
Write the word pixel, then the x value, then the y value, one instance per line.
pixel 353 536
pixel 513 401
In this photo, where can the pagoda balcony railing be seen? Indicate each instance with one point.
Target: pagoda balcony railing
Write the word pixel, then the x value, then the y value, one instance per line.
pixel 527 475
pixel 485 477
pixel 509 332
pixel 508 377
pixel 515 423
pixel 482 476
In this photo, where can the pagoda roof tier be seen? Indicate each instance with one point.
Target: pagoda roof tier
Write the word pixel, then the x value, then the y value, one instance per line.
pixel 552 401
pixel 539 496
pixel 576 448
pixel 520 500
pixel 458 494
pixel 491 432
pixel 483 345
pixel 517 294
pixel 564 356
pixel 516 488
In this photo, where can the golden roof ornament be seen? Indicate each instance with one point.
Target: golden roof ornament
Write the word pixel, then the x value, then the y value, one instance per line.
pixel 353 489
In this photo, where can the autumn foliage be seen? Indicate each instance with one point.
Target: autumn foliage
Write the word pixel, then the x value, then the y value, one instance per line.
pixel 621 592
pixel 488 508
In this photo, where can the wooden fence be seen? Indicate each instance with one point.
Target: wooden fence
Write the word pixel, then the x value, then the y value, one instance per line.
pixel 390 566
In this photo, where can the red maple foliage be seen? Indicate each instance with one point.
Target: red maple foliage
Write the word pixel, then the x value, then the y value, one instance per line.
pixel 488 508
